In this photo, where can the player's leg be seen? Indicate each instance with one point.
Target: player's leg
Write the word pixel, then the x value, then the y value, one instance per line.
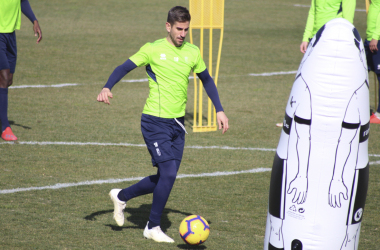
pixel 378 107
pixel 5 81
pixel 8 57
pixel 168 173
pixel 120 197
pixel 375 118
pixel 159 144
pixel 373 63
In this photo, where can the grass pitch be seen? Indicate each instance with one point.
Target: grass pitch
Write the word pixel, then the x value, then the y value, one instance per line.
pixel 83 41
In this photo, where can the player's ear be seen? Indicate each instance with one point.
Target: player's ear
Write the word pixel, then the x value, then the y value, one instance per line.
pixel 168 27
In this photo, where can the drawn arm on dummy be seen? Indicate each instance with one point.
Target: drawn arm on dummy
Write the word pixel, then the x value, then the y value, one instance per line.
pixel 302 118
pixel 350 127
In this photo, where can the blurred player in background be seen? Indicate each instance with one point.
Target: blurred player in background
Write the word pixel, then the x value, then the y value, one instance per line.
pixel 169 62
pixel 10 20
pixel 371 46
pixel 322 11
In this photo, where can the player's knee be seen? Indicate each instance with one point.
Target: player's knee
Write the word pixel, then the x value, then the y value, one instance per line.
pixel 170 176
pixel 6 79
pixel 10 82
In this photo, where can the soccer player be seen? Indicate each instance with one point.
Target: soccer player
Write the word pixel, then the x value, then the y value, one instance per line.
pixel 371 46
pixel 168 63
pixel 322 11
pixel 10 20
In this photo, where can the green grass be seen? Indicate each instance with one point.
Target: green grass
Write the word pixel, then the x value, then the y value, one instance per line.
pixel 83 41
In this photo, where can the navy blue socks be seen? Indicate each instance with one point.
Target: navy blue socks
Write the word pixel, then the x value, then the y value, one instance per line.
pixel 378 78
pixel 4 109
pixel 168 173
pixel 145 186
pixel 160 185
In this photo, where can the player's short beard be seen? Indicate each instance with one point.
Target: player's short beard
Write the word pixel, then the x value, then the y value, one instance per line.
pixel 174 41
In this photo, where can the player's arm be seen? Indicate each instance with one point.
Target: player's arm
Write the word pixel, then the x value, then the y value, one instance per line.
pixel 309 28
pixel 348 10
pixel 114 78
pixel 376 32
pixel 212 92
pixel 28 12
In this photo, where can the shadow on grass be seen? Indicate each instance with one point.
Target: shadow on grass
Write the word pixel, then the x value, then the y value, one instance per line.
pixel 189 118
pixel 138 216
pixel 184 246
pixel 12 123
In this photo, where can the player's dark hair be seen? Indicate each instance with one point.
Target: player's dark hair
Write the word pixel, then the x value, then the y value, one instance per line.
pixel 178 14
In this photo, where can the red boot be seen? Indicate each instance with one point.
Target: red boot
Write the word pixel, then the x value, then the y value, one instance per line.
pixel 8 135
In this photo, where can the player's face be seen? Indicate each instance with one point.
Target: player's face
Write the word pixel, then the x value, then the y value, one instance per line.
pixel 177 32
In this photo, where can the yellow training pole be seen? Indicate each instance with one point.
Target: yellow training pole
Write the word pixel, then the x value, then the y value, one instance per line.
pixel 206 14
pixel 209 108
pixel 219 55
pixel 200 106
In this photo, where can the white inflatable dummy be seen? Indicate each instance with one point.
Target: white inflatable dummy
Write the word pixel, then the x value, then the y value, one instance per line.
pixel 320 172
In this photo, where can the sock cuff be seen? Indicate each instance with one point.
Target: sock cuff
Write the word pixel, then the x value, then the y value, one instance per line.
pixel 3 91
pixel 152 224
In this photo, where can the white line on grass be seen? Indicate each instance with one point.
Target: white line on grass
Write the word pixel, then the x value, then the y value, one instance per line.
pixel 45 86
pixel 43 143
pixel 374 162
pixel 109 181
pixel 274 73
pixel 129 145
pixel 137 80
pixel 308 6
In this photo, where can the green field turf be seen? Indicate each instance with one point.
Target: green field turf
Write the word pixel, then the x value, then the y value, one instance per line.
pixel 83 41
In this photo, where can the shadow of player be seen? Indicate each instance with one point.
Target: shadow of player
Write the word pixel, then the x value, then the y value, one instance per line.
pixel 138 216
pixel 12 123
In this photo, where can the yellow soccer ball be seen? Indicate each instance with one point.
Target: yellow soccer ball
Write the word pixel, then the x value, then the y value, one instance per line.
pixel 194 230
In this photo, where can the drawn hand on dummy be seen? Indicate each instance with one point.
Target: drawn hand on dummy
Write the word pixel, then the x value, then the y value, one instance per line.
pixel 299 185
pixel 337 188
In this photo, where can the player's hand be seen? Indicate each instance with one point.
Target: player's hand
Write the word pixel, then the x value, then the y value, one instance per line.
pixel 222 121
pixel 303 47
pixel 373 46
pixel 37 31
pixel 103 96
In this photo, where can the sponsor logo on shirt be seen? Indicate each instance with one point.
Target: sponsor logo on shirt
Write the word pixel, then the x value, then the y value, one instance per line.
pixel 186 59
pixel 176 59
pixel 163 57
pixel 378 66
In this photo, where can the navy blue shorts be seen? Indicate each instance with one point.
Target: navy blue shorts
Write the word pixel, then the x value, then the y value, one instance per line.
pixel 165 138
pixel 8 51
pixel 373 59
